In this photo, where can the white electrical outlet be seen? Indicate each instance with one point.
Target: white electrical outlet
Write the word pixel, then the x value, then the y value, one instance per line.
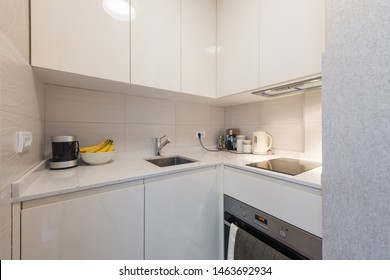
pixel 24 141
pixel 202 134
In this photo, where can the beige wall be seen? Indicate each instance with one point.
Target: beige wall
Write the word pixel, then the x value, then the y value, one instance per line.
pixel 133 122
pixel 294 122
pixel 21 107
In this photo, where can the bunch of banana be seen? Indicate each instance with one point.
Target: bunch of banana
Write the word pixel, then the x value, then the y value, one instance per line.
pixel 102 147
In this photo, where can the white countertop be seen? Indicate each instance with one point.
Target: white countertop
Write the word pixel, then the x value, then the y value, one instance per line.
pixel 42 182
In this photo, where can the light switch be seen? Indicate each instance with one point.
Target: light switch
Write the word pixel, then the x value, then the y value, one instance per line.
pixel 24 141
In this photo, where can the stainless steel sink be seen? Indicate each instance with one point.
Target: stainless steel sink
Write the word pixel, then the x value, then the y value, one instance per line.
pixel 170 161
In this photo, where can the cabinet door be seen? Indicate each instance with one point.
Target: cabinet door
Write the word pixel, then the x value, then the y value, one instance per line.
pixel 107 225
pixel 238 46
pixel 298 205
pixel 81 37
pixel 181 216
pixel 198 47
pixel 292 35
pixel 155 44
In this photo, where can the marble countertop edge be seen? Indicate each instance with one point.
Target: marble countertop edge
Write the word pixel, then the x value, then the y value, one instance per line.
pixel 42 182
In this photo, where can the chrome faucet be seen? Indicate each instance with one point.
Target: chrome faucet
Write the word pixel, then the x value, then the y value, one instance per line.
pixel 159 146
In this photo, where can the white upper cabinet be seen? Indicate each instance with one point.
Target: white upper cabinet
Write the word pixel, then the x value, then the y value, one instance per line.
pixel 198 46
pixel 89 38
pixel 292 35
pixel 211 48
pixel 238 46
pixel 155 44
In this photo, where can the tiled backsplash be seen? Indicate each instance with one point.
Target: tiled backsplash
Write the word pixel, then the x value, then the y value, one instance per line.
pixel 294 122
pixel 133 122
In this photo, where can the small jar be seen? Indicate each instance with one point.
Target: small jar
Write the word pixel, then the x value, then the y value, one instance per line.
pixel 239 145
pixel 240 142
pixel 247 146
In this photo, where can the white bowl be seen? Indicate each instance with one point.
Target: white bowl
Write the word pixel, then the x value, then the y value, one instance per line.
pixel 97 158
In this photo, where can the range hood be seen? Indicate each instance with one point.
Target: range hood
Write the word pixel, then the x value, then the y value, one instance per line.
pixel 281 89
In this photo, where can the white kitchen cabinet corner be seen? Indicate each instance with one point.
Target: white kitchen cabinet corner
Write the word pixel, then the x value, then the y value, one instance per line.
pixel 96 224
pixel 292 39
pixel 183 216
pixel 155 44
pixel 81 37
pixel 238 46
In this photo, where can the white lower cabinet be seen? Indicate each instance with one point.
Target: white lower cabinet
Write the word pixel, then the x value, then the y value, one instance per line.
pixel 183 216
pixel 176 217
pixel 298 205
pixel 105 223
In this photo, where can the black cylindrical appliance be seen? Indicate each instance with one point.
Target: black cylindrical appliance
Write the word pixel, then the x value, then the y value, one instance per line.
pixel 65 152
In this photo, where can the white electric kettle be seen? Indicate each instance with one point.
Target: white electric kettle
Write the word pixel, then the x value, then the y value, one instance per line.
pixel 261 142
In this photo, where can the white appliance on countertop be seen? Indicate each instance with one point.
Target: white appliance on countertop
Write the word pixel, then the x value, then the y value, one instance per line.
pixel 261 142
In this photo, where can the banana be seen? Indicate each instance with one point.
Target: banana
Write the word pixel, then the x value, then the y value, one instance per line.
pixel 106 147
pixel 111 148
pixel 95 148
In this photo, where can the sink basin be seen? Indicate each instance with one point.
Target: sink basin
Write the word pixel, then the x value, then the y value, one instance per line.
pixel 170 161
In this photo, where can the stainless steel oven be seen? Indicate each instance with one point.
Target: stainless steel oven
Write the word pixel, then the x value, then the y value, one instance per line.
pixel 273 233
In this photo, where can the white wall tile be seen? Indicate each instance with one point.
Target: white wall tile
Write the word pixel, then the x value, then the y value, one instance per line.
pixel 282 110
pixel 313 138
pixel 21 91
pixel 313 106
pixel 140 110
pixel 142 137
pixel 313 122
pixel 186 136
pixel 212 134
pixel 247 114
pixel 5 224
pixel 21 109
pixel 79 105
pixel 13 165
pixel 288 137
pixel 145 118
pixel 192 114
pixel 217 115
pixel 87 133
pixel 285 118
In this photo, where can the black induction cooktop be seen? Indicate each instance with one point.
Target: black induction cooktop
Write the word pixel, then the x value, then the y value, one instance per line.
pixel 286 165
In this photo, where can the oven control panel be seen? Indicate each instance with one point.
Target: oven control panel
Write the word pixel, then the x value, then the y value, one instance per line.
pixel 303 242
